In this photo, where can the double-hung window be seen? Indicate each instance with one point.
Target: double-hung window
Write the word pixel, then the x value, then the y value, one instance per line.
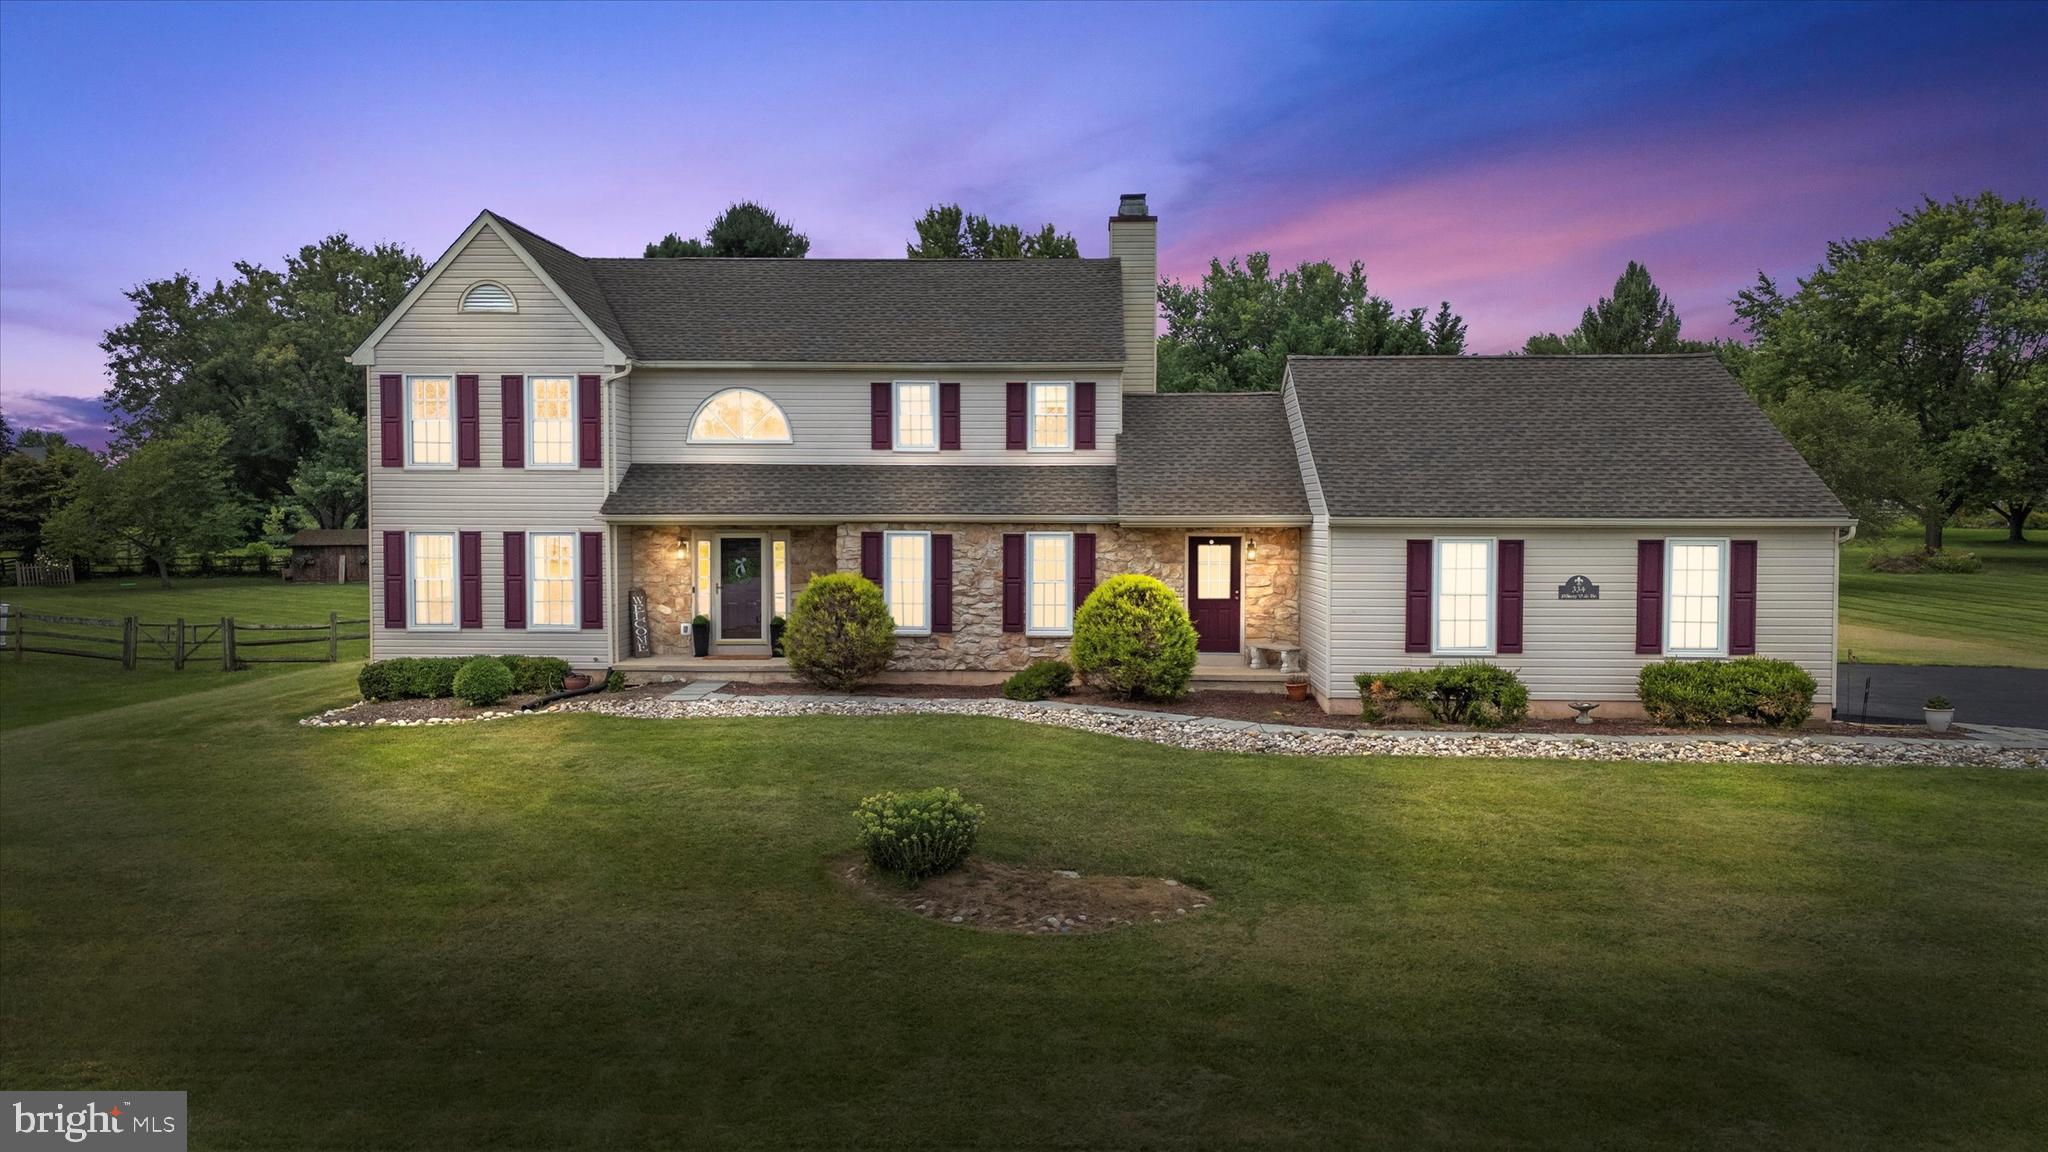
pixel 907 575
pixel 1052 417
pixel 551 585
pixel 550 422
pixel 430 421
pixel 1696 600
pixel 1049 583
pixel 917 416
pixel 1464 591
pixel 433 580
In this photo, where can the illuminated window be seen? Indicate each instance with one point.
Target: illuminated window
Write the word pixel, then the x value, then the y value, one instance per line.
pixel 551 587
pixel 1695 591
pixel 1464 596
pixel 739 414
pixel 1049 558
pixel 907 576
pixel 430 422
pixel 703 577
pixel 487 296
pixel 1212 571
pixel 781 576
pixel 433 580
pixel 1052 417
pixel 916 416
pixel 550 422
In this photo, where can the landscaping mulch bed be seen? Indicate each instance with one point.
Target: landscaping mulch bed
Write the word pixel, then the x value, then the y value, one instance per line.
pixel 1028 900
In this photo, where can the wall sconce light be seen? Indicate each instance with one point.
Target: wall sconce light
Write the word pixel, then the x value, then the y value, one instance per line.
pixel 682 546
pixel 1251 549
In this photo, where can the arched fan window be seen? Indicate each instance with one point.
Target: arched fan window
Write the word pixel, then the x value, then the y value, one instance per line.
pixel 739 414
pixel 488 296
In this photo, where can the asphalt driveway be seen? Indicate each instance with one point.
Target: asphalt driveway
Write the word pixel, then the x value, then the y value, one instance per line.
pixel 2010 696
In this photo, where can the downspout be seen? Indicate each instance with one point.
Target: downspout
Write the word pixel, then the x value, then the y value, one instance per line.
pixel 611 531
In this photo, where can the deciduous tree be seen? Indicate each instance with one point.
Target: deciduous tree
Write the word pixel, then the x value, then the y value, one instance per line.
pixel 945 232
pixel 167 494
pixel 745 229
pixel 1637 318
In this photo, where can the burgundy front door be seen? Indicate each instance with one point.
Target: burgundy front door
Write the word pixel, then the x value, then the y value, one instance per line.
pixel 1213 591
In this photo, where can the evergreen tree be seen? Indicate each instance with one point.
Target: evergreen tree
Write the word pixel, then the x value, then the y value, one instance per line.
pixel 745 229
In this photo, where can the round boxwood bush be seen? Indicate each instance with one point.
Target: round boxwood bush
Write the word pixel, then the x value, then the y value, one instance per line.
pixel 840 633
pixel 1133 638
pixel 915 835
pixel 1040 679
pixel 483 680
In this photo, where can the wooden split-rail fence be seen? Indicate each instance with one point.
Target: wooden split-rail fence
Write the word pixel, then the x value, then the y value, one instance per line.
pixel 134 641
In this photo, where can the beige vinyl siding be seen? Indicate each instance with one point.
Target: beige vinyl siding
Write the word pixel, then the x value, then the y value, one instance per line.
pixel 543 337
pixel 1576 649
pixel 1135 245
pixel 1315 605
pixel 619 421
pixel 829 419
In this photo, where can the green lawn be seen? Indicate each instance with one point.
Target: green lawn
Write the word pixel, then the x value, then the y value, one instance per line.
pixel 581 932
pixel 1997 616
pixel 41 687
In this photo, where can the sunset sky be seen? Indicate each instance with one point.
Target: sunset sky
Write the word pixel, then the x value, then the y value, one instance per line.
pixel 1509 159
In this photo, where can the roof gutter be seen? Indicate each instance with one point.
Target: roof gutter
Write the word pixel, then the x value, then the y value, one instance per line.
pixel 1598 521
pixel 896 516
pixel 1007 367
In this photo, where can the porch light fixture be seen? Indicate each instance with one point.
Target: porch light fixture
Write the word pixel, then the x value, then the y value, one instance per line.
pixel 1251 549
pixel 682 546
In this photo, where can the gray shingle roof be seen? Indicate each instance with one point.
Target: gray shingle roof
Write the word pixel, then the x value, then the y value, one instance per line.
pixel 1565 436
pixel 1207 454
pixel 865 491
pixel 330 537
pixel 845 311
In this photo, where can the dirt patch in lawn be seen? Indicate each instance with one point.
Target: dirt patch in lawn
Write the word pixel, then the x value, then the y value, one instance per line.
pixel 1027 899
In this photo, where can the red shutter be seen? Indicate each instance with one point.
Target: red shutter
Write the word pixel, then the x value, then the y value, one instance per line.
pixel 394 580
pixel 1508 595
pixel 1742 598
pixel 871 557
pixel 512 421
pixel 471 561
pixel 1013 581
pixel 592 573
pixel 1649 597
pixel 1084 415
pixel 1084 567
pixel 881 433
pixel 390 417
pixel 949 417
pixel 468 436
pixel 589 433
pixel 1420 555
pixel 1013 418
pixel 515 579
pixel 942 582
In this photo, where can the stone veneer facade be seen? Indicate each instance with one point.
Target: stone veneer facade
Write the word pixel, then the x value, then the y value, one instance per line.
pixel 1270 593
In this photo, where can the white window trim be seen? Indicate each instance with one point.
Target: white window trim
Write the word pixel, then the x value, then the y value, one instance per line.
pixel 1720 648
pixel 698 412
pixel 896 415
pixel 533 582
pixel 887 576
pixel 575 424
pixel 462 301
pixel 1031 416
pixel 1436 588
pixel 454 423
pixel 1029 567
pixel 412 584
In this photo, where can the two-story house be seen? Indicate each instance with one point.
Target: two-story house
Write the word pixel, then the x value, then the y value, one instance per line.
pixel 575 456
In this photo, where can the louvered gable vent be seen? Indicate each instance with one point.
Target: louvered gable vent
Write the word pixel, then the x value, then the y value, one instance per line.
pixel 487 296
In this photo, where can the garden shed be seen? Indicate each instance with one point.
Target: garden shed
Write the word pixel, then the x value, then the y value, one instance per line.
pixel 329 556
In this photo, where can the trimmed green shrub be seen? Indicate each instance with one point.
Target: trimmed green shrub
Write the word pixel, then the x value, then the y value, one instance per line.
pixel 536 675
pixel 1939 703
pixel 840 633
pixel 1132 637
pixel 483 680
pixel 1920 560
pixel 1039 679
pixel 376 682
pixel 915 835
pixel 1690 693
pixel 1474 693
pixel 615 681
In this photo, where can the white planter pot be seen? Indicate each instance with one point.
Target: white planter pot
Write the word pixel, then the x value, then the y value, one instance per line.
pixel 1938 718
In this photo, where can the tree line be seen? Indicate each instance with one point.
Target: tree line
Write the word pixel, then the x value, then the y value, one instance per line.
pixel 1908 369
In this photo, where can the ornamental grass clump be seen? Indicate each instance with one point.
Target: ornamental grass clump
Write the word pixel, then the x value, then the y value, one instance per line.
pixel 483 680
pixel 1132 637
pixel 917 835
pixel 840 633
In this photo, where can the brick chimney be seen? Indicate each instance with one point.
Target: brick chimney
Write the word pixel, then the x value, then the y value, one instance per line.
pixel 1134 239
